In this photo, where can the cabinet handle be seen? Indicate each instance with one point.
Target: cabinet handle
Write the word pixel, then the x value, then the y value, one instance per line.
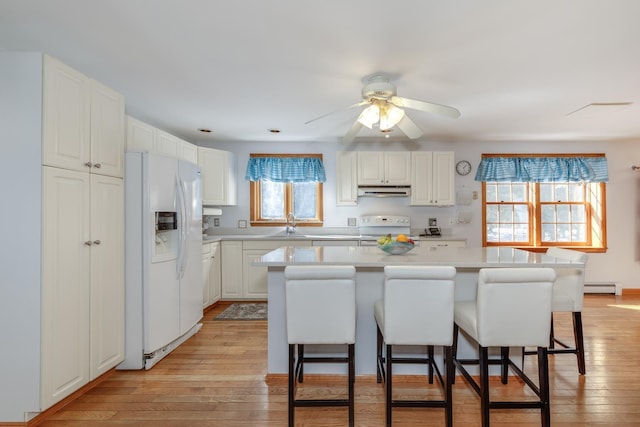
pixel 88 164
pixel 96 242
pixel 88 243
pixel 97 166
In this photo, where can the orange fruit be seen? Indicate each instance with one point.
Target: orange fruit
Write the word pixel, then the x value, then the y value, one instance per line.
pixel 402 238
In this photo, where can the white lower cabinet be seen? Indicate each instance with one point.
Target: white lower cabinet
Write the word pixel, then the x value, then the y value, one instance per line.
pixel 82 281
pixel 241 280
pixel 211 290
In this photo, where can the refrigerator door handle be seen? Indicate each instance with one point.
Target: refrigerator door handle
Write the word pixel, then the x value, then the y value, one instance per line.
pixel 181 226
pixel 184 227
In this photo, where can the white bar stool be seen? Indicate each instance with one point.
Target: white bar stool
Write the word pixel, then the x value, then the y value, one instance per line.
pixel 568 296
pixel 512 309
pixel 417 309
pixel 320 309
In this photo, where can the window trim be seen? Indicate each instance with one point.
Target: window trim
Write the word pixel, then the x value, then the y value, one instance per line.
pixel 534 206
pixel 255 207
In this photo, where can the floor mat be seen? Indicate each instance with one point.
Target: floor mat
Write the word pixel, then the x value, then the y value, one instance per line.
pixel 244 311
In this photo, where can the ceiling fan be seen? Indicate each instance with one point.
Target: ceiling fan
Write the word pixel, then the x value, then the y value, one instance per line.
pixel 385 111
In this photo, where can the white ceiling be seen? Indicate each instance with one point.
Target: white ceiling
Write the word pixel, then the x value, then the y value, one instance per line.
pixel 514 68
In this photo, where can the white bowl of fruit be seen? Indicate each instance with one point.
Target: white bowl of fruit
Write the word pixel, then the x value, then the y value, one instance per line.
pixel 398 246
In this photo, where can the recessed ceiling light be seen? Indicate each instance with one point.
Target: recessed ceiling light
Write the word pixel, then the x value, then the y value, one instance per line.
pixel 274 130
pixel 205 130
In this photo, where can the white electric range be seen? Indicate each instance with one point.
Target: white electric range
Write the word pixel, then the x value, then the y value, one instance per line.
pixel 372 227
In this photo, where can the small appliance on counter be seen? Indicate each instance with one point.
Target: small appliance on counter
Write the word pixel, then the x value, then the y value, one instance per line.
pixel 432 232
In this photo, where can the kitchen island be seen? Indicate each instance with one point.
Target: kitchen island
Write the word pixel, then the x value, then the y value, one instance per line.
pixel 370 262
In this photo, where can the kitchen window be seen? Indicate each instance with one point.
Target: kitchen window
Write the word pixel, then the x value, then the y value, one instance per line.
pixel 567 213
pixel 284 183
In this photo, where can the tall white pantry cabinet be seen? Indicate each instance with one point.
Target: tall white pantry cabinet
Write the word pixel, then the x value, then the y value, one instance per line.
pixel 62 293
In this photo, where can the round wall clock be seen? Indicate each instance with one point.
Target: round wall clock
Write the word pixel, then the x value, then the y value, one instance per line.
pixel 463 167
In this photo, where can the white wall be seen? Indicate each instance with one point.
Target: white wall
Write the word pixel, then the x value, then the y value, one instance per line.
pixel 619 264
pixel 21 189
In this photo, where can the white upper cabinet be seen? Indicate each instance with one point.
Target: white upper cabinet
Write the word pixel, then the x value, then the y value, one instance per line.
pixel 432 178
pixel 218 177
pixel 144 137
pixel 166 144
pixel 384 168
pixel 140 136
pixel 107 131
pixel 83 122
pixel 346 178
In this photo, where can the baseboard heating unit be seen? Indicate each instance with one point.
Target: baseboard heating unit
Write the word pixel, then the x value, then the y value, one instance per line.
pixel 603 288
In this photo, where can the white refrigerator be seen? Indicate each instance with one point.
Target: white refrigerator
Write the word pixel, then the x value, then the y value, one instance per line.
pixel 163 263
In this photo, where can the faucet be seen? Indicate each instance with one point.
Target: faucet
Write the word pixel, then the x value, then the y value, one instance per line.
pixel 291 223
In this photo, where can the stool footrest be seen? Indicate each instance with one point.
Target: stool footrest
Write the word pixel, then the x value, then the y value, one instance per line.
pixel 418 403
pixel 321 402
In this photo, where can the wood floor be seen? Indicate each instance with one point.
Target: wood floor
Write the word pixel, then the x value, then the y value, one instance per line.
pixel 217 378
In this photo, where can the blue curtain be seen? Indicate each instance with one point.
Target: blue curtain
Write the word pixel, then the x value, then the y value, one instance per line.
pixel 285 169
pixel 543 169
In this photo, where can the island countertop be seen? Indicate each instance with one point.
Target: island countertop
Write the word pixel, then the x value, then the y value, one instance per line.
pixel 371 256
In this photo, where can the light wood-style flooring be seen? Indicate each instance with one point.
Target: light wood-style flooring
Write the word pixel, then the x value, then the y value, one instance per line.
pixel 218 378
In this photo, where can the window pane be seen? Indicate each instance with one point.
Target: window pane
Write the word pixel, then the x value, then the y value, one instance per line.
pixel 578 213
pixel 563 233
pixel 563 213
pixel 304 200
pixel 504 193
pixel 506 213
pixel 519 192
pixel 521 233
pixel 491 192
pixel 560 193
pixel 576 192
pixel 492 213
pixel 521 213
pixel 546 192
pixel 548 213
pixel 272 196
pixel 579 232
pixel 548 232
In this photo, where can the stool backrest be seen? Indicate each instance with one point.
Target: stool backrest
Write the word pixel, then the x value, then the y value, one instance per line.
pixel 568 291
pixel 513 306
pixel 320 304
pixel 418 305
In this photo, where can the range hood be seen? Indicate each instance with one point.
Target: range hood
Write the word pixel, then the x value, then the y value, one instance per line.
pixel 387 191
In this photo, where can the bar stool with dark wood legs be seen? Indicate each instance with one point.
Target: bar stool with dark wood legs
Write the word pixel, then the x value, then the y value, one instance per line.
pixel 416 310
pixel 512 309
pixel 320 309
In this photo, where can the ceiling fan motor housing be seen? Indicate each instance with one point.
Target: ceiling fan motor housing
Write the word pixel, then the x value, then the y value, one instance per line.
pixel 379 87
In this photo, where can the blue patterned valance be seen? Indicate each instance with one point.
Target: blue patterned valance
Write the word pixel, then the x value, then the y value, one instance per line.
pixel 543 169
pixel 285 169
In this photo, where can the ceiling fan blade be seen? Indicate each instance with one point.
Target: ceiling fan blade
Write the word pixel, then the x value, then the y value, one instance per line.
pixel 351 134
pixel 409 128
pixel 429 107
pixel 358 104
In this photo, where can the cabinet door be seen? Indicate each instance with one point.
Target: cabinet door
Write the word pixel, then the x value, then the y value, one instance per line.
pixel 215 280
pixel 231 269
pixel 218 177
pixel 346 178
pixel 140 136
pixel 66 257
pixel 66 117
pixel 107 131
pixel 166 144
pixel 206 271
pixel 188 151
pixel 421 173
pixel 107 274
pixel 370 168
pixel 397 168
pixel 443 178
pixel 255 278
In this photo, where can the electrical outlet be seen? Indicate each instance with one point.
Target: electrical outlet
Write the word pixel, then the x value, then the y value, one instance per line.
pixel 351 222
pixel 433 222
pixel 242 223
pixel 216 222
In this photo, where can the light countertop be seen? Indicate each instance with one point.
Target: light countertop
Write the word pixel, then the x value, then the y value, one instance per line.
pixel 371 256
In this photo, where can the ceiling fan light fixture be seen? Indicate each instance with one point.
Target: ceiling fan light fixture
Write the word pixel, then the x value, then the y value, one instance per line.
pixel 390 116
pixel 369 116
